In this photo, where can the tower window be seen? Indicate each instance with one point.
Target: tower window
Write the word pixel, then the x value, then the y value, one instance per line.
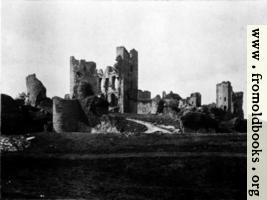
pixel 106 83
pixel 224 98
pixel 78 74
pixel 113 82
pixel 99 84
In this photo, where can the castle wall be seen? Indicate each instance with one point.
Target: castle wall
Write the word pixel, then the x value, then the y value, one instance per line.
pixel 237 104
pixel 67 115
pixel 154 107
pixel 144 107
pixel 144 95
pixel 147 105
pixel 111 87
pixel 195 99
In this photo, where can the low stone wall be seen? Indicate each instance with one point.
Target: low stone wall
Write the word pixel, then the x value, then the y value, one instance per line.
pixel 144 107
pixel 67 115
pixel 154 107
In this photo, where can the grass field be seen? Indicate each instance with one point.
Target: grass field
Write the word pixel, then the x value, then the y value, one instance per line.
pixel 141 166
pixel 84 143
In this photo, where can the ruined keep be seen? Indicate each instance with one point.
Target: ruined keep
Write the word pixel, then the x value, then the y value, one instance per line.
pixel 224 92
pixel 228 100
pixel 118 83
pixel 127 67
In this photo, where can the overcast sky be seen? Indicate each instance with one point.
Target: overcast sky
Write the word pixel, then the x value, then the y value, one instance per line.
pixel 183 46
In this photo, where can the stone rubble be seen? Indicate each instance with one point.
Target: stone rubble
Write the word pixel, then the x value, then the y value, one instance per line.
pixel 14 143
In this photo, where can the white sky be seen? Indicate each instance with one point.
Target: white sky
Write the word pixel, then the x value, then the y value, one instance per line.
pixel 183 46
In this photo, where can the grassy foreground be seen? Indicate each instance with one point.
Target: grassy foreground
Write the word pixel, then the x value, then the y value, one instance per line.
pixel 140 166
pixel 84 143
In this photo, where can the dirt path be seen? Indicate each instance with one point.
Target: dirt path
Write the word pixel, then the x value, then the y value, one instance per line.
pixel 151 128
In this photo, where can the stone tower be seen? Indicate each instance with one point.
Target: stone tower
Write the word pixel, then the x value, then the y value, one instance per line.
pixel 224 96
pixel 127 67
pixel 83 71
pixel 228 100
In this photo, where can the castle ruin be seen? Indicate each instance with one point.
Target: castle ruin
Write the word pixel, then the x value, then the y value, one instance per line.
pixel 118 84
pixel 144 102
pixel 194 99
pixel 95 92
pixel 228 100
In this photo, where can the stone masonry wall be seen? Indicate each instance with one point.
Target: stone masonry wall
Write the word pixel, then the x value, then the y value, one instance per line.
pixel 81 70
pixel 67 115
pixel 35 90
pixel 238 104
pixel 224 96
pixel 195 99
pixel 144 107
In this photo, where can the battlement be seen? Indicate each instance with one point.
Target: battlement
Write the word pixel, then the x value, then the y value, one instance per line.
pixel 144 95
pixel 122 52
pixel 131 56
pixel 82 65
pixel 224 84
pixel 239 94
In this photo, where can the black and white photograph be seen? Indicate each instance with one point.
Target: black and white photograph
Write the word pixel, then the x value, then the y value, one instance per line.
pixel 125 100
